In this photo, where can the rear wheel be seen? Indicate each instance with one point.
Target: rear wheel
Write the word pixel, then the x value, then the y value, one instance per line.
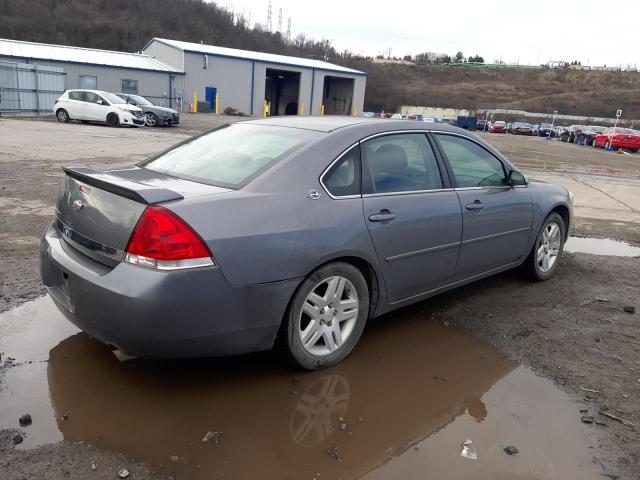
pixel 113 120
pixel 62 115
pixel 327 316
pixel 545 254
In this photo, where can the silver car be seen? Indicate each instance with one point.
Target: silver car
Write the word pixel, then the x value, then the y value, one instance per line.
pixel 290 231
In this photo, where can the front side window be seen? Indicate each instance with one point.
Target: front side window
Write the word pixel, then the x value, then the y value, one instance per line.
pixel 401 163
pixel 231 156
pixel 94 98
pixel 343 178
pixel 129 86
pixel 472 165
pixel 88 82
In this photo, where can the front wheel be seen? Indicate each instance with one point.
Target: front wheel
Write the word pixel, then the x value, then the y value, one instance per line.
pixel 150 119
pixel 113 120
pixel 327 316
pixel 545 254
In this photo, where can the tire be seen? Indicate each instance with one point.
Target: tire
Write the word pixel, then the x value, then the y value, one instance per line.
pixel 313 310
pixel 62 115
pixel 541 263
pixel 113 120
pixel 150 119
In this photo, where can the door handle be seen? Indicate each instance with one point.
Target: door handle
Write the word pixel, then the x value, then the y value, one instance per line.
pixel 384 216
pixel 477 205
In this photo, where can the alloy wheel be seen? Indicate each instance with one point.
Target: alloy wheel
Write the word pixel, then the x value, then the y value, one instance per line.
pixel 328 315
pixel 548 247
pixel 62 116
pixel 150 120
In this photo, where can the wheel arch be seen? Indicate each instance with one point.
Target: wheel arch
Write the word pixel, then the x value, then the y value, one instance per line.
pixel 565 213
pixel 366 268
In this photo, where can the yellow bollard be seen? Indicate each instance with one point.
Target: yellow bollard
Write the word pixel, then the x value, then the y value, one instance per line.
pixel 217 103
pixel 321 109
pixel 301 110
pixel 195 101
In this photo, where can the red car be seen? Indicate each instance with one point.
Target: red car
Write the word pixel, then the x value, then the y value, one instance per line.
pixel 498 127
pixel 622 138
pixel 521 128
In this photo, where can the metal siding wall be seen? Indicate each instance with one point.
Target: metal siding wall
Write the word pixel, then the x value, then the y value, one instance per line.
pixel 231 77
pixel 166 54
pixel 154 85
pixel 29 89
pixel 359 87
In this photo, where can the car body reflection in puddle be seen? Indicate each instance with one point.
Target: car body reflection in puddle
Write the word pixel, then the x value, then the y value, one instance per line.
pixel 399 407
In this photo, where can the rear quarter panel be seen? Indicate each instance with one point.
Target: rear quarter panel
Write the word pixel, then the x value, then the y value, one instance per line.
pixel 271 231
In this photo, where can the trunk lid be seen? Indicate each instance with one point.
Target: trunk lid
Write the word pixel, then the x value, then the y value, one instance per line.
pixel 97 211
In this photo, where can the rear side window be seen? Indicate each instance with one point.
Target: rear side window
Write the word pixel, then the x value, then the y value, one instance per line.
pixel 472 165
pixel 343 178
pixel 231 156
pixel 401 163
pixel 76 96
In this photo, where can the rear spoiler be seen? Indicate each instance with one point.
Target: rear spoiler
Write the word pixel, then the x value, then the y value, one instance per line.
pixel 137 192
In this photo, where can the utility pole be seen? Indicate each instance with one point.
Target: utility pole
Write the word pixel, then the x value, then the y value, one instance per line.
pixel 280 20
pixel 289 28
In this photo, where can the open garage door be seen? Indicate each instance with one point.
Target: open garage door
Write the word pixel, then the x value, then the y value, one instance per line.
pixel 281 92
pixel 337 95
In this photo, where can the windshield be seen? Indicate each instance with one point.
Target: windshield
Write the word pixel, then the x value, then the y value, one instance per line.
pixel 499 123
pixel 111 98
pixel 545 125
pixel 232 155
pixel 138 100
pixel 521 124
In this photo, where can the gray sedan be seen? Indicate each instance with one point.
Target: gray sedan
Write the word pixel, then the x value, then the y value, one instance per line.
pixel 290 231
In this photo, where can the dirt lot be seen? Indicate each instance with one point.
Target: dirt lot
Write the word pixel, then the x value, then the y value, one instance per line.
pixel 571 330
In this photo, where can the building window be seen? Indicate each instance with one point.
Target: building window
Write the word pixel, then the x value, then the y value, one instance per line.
pixel 129 86
pixel 89 82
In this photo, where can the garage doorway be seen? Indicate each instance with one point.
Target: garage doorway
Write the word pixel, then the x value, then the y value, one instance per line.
pixel 281 92
pixel 337 95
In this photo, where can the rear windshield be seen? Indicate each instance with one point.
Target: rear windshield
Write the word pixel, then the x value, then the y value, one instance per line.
pixel 230 156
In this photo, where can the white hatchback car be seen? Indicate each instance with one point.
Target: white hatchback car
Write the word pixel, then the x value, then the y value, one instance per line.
pixel 97 106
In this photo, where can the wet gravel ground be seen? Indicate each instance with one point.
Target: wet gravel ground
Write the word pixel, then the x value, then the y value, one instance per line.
pixel 571 329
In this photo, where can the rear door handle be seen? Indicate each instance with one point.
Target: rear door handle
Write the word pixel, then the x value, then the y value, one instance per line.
pixel 477 205
pixel 384 216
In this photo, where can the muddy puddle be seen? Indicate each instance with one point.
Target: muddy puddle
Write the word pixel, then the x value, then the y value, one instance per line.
pixel 399 407
pixel 601 246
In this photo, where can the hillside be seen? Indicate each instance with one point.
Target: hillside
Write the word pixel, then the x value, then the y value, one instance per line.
pixel 571 92
pixel 128 24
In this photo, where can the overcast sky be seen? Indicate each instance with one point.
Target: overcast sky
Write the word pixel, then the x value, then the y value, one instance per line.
pixel 594 32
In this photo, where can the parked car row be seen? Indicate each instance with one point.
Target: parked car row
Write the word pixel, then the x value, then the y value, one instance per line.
pixel 114 109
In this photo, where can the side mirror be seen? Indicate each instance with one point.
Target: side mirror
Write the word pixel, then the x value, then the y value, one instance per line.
pixel 99 102
pixel 515 178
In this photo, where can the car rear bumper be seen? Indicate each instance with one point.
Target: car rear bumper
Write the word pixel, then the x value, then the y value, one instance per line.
pixel 147 313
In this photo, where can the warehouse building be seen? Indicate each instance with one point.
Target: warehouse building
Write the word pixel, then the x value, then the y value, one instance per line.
pixel 20 79
pixel 253 82
pixel 181 75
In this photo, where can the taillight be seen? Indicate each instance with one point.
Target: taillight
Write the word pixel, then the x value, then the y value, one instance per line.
pixel 163 241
